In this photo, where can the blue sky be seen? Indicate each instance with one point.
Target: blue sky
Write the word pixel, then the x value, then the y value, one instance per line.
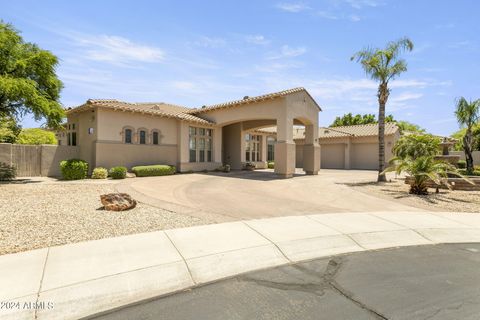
pixel 204 52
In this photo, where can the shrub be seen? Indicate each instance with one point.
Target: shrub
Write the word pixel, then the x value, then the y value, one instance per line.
pixel 271 165
pixel 118 172
pixel 416 145
pixel 74 169
pixel 36 136
pixel 462 164
pixel 7 172
pixel 154 170
pixel 99 173
pixel 464 172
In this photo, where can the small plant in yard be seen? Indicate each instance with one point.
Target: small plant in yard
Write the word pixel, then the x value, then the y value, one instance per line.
pixel 250 166
pixel 118 172
pixel 271 165
pixel 99 173
pixel 7 172
pixel 74 169
pixel 462 164
pixel 154 170
pixel 422 170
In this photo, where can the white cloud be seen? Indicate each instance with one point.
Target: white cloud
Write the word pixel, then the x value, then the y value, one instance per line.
pixel 118 50
pixel 293 6
pixel 257 39
pixel 288 52
pixel 327 15
pixel 354 18
pixel 359 4
pixel 211 42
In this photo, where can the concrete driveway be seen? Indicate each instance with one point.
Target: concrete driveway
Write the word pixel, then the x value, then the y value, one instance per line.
pixel 259 194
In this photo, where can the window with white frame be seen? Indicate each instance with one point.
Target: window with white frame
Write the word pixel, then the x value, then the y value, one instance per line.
pixel 252 147
pixel 200 144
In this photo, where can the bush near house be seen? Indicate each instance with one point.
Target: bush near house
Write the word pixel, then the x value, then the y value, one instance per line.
pixel 271 165
pixel 7 172
pixel 118 172
pixel 154 170
pixel 462 164
pixel 464 172
pixel 99 173
pixel 74 169
pixel 36 136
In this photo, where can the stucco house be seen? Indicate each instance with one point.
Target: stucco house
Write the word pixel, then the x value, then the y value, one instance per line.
pixel 111 133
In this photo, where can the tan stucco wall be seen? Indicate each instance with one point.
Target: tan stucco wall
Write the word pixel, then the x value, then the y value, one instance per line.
pixel 85 141
pixel 111 124
pixel 232 145
pixel 111 154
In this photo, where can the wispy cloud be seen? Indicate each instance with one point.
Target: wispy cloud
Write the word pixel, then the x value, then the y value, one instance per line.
pixel 288 52
pixel 257 39
pixel 210 42
pixel 354 18
pixel 117 50
pixel 326 15
pixel 359 4
pixel 293 7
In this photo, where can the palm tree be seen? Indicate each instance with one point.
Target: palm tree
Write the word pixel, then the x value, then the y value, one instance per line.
pixel 468 114
pixel 423 170
pixel 383 65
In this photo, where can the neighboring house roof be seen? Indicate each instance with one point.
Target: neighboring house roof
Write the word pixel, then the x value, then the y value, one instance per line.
pixel 248 100
pixel 152 108
pixel 363 130
pixel 366 130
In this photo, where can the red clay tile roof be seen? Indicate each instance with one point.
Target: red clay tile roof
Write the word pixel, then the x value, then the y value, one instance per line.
pixel 152 108
pixel 248 100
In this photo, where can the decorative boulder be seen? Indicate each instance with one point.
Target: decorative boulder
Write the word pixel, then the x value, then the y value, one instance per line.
pixel 131 175
pixel 117 201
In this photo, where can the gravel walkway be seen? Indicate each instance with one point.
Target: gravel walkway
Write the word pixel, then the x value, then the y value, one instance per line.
pixel 37 215
pixel 445 200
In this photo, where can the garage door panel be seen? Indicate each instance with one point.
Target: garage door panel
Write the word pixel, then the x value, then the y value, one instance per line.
pixel 364 156
pixel 333 156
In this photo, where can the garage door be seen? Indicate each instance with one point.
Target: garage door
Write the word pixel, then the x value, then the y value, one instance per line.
pixel 333 156
pixel 364 156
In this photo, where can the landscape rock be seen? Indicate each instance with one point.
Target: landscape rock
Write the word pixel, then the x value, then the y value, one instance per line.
pixel 131 175
pixel 117 201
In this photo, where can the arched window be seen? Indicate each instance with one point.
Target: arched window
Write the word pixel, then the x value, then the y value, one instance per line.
pixel 155 137
pixel 143 137
pixel 128 135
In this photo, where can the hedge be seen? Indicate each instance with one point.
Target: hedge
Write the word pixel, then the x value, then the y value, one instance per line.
pixel 7 172
pixel 154 170
pixel 99 173
pixel 271 165
pixel 118 172
pixel 74 169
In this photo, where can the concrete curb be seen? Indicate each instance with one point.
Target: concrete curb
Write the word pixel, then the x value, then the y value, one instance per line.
pixel 80 279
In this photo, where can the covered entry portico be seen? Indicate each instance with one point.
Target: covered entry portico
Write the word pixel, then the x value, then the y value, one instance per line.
pixel 239 119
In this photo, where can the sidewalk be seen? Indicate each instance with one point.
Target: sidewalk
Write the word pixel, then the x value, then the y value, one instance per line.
pixel 77 280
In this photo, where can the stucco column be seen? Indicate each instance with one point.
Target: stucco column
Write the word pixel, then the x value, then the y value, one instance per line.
pixel 263 147
pixel 285 148
pixel 217 144
pixel 182 142
pixel 311 150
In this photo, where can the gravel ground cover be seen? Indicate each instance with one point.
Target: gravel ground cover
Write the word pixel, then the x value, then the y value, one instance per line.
pixel 445 200
pixel 42 214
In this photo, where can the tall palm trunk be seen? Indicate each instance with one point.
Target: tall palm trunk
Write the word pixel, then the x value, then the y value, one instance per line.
pixel 467 146
pixel 383 93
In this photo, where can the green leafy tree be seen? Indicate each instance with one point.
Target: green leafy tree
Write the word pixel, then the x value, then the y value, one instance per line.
pixel 415 146
pixel 461 133
pixel 9 130
pixel 468 113
pixel 410 127
pixel 349 120
pixel 383 65
pixel 28 82
pixel 36 136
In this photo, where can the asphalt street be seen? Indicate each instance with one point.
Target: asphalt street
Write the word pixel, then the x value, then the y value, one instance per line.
pixel 424 282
